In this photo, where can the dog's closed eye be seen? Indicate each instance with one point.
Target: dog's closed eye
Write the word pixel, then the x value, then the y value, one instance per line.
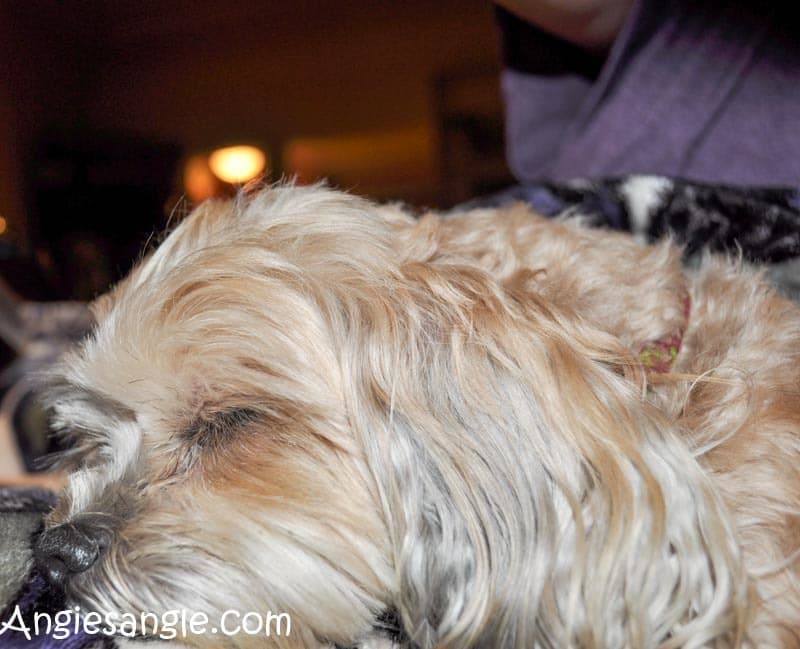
pixel 211 429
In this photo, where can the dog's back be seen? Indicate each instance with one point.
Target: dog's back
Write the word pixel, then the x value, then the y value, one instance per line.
pixel 727 368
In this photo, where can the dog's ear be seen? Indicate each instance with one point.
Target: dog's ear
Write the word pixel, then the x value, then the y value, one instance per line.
pixel 530 492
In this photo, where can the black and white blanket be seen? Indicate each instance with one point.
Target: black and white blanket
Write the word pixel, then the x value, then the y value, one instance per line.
pixel 762 225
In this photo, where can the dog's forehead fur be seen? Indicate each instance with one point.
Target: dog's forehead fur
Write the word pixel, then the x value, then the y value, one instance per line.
pixel 215 329
pixel 230 285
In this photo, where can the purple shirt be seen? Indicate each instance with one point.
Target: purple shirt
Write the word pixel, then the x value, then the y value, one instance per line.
pixel 708 91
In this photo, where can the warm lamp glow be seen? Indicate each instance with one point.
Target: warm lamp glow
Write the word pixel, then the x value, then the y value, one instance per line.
pixel 3 225
pixel 237 164
pixel 378 163
pixel 198 180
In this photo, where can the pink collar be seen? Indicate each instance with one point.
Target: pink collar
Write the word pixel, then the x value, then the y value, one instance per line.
pixel 659 356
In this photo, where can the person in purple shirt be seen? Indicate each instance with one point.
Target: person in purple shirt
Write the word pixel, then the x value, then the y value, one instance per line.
pixel 706 91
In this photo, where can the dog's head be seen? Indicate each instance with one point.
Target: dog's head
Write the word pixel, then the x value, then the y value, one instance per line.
pixel 301 403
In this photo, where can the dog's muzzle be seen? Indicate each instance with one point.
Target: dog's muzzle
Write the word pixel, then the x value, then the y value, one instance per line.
pixel 69 549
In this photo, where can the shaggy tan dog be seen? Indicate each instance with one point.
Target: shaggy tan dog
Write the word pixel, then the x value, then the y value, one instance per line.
pixel 512 431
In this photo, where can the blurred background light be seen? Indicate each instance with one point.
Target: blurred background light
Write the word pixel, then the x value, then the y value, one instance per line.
pixel 199 181
pixel 237 164
pixel 377 163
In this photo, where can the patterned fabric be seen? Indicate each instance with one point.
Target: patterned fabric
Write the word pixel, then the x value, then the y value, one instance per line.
pixel 760 224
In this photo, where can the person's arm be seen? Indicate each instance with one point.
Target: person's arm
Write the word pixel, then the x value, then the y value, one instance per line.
pixel 591 24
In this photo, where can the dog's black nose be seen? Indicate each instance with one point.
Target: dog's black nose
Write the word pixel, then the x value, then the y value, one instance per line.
pixel 69 549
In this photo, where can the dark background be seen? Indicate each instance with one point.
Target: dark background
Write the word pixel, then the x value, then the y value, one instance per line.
pixel 101 104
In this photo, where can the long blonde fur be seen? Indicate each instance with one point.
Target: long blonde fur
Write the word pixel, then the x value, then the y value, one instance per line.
pixel 317 405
